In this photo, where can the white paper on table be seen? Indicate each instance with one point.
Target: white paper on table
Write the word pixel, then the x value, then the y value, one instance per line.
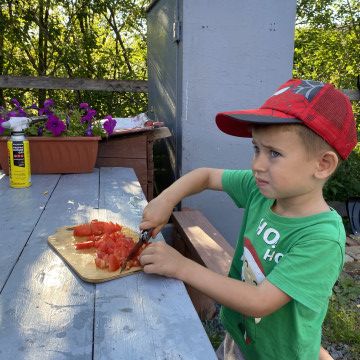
pixel 137 121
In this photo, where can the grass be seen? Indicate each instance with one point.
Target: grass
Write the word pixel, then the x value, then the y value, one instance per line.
pixel 342 322
pixel 341 329
pixel 215 331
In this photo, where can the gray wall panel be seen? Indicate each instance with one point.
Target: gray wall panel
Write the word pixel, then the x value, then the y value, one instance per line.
pixel 234 54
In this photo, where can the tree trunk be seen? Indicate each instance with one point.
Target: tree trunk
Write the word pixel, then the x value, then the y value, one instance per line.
pixel 42 45
pixel 2 29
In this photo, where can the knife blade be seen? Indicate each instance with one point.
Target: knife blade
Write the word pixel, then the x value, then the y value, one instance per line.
pixel 144 237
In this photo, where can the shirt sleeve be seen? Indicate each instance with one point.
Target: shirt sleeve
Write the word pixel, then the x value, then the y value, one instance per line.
pixel 238 184
pixel 308 272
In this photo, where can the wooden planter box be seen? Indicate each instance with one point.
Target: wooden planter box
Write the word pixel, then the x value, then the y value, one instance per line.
pixel 51 155
pixel 133 150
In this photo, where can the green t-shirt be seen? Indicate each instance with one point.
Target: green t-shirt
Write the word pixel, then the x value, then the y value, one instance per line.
pixel 301 256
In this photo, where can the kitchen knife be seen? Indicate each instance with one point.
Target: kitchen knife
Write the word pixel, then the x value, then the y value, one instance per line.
pixel 144 237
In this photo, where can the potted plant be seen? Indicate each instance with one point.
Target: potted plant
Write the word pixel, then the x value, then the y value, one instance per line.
pixel 65 142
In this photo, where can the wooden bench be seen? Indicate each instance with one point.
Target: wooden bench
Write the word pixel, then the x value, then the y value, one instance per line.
pixel 200 241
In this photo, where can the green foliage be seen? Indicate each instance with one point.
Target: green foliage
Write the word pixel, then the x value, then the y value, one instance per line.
pixel 327 48
pixel 76 127
pixel 342 322
pixel 214 330
pixel 33 130
pixel 345 182
pixel 82 39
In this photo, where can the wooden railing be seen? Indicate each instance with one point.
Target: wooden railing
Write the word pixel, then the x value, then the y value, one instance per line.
pixel 47 82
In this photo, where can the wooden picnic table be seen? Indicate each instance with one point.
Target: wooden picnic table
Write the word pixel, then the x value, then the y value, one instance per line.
pixel 48 312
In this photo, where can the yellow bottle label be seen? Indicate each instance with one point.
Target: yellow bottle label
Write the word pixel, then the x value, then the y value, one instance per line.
pixel 19 163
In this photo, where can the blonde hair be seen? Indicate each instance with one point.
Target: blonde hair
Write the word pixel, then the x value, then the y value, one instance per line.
pixel 314 144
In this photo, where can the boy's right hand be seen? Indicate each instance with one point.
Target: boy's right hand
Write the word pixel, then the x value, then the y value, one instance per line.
pixel 156 214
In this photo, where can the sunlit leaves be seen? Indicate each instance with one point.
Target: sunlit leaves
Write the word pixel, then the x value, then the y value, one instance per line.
pixel 327 48
pixel 83 38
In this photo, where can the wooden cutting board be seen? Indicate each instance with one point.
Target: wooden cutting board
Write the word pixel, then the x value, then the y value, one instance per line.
pixel 82 261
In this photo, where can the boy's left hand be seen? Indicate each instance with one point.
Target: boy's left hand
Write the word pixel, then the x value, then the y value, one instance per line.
pixel 160 258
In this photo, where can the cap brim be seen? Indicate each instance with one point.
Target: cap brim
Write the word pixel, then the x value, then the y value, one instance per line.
pixel 240 123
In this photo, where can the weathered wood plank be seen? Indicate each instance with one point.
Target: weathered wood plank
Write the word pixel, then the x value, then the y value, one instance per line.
pixel 131 147
pixel 142 303
pixel 47 82
pixel 128 151
pixel 139 165
pixel 200 241
pixel 159 133
pixel 46 311
pixel 20 208
pixel 204 240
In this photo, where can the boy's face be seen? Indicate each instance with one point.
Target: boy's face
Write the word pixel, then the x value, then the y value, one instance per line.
pixel 281 165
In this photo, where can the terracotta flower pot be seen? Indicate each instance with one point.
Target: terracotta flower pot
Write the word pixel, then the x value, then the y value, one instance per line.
pixel 50 155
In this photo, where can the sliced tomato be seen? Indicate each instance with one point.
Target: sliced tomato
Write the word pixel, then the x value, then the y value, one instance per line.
pixel 112 245
pixel 96 228
pixel 114 263
pixel 100 263
pixel 122 253
pixel 110 227
pixel 84 245
pixel 82 230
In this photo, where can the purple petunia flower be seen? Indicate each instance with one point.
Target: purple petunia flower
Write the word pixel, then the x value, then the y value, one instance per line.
pixel 88 131
pixel 109 124
pixel 45 111
pixel 2 129
pixel 40 131
pixel 84 106
pixel 55 125
pixel 17 113
pixel 48 103
pixel 67 120
pixel 12 113
pixel 84 118
pixel 88 116
pixel 15 102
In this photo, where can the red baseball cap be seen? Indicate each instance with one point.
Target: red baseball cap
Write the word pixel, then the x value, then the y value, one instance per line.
pixel 318 105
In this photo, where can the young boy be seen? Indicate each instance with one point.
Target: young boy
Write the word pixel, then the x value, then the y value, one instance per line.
pixel 290 249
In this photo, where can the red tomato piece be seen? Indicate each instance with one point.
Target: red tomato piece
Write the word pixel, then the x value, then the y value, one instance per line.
pixel 100 263
pixel 82 230
pixel 95 237
pixel 110 227
pixel 84 245
pixel 96 228
pixel 114 263
pixel 112 245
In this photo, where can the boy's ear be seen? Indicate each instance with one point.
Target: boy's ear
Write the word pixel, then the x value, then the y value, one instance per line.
pixel 327 164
